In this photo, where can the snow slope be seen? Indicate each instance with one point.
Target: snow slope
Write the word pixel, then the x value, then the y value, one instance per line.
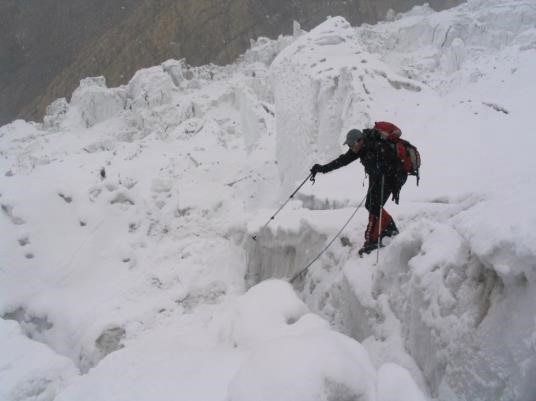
pixel 126 258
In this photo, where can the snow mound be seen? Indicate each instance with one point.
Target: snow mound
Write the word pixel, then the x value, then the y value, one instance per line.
pixel 323 365
pixel 270 310
pixel 296 356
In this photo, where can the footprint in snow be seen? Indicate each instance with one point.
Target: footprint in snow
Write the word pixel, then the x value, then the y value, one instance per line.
pixel 133 227
pixel 122 198
pixel 66 198
pixel 8 211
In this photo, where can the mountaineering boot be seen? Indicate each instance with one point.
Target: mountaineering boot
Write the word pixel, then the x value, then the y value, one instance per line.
pixel 371 236
pixel 371 229
pixel 390 231
pixel 368 247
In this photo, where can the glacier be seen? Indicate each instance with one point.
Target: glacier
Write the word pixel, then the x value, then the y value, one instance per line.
pixel 127 264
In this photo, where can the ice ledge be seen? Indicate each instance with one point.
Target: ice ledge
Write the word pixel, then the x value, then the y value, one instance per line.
pixel 458 319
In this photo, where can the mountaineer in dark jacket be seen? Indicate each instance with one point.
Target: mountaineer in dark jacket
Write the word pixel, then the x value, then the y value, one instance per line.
pixel 386 177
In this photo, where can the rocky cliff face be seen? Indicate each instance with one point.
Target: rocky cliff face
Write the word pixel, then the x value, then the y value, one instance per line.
pixel 47 46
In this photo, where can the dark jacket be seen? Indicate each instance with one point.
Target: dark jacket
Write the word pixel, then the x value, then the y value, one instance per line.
pixel 377 156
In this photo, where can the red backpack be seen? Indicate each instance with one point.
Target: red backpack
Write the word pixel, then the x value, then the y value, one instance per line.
pixel 407 153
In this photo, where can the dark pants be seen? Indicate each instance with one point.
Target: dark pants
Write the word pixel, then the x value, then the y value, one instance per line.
pixel 375 201
pixel 374 204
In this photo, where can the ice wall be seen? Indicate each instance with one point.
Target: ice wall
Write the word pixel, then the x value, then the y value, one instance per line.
pixel 456 314
pixel 452 43
pixel 324 84
pixel 281 252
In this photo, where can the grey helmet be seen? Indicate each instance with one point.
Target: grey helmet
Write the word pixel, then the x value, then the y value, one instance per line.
pixel 353 136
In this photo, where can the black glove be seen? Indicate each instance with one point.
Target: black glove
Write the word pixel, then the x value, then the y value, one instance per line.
pixel 317 168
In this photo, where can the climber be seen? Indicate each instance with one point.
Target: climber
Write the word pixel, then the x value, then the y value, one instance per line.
pixel 386 177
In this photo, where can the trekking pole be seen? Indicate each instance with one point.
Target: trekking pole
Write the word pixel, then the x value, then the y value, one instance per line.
pixel 380 221
pixel 309 177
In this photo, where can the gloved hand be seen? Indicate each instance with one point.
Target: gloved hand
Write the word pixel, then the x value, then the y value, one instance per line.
pixel 317 168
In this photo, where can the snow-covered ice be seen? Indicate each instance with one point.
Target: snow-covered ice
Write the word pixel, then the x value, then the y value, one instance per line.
pixel 128 270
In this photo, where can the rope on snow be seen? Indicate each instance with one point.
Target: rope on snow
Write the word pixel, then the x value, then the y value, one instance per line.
pixel 302 271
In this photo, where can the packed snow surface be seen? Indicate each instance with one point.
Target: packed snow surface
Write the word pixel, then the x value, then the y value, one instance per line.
pixel 128 268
